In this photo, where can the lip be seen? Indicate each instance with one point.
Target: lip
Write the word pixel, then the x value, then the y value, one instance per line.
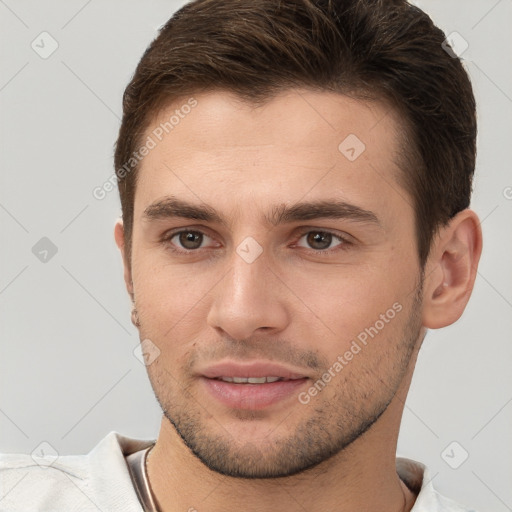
pixel 251 396
pixel 251 369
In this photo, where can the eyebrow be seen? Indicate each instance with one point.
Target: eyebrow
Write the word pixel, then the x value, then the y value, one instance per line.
pixel 171 206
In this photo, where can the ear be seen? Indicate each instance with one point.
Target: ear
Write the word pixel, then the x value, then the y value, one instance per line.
pixel 451 269
pixel 120 242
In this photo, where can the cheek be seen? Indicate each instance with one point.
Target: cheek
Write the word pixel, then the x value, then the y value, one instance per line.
pixel 170 297
pixel 348 300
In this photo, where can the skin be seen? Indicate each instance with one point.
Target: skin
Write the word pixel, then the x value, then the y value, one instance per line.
pixel 291 305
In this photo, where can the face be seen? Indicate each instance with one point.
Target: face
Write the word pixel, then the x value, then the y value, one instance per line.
pixel 274 243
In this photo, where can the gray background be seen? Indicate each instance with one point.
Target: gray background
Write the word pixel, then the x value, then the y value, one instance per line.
pixel 67 367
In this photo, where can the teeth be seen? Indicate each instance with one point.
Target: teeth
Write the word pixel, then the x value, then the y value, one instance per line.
pixel 250 380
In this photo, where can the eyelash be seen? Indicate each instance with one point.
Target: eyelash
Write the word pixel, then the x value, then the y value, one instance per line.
pixel 343 246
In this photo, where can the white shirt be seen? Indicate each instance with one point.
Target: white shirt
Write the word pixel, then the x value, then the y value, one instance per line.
pixel 101 480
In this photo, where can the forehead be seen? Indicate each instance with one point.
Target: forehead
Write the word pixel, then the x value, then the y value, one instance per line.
pixel 295 116
pixel 216 146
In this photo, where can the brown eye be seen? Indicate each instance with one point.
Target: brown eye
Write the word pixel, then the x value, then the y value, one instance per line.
pixel 319 240
pixel 185 241
pixel 190 239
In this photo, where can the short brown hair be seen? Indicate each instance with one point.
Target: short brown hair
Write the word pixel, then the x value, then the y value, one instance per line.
pixel 385 50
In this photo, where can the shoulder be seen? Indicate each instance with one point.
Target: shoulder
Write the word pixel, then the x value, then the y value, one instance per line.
pixel 98 480
pixel 418 478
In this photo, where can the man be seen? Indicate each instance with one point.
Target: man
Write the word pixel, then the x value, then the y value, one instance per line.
pixel 295 180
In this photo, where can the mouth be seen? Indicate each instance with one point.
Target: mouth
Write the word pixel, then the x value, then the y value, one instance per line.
pixel 251 386
pixel 254 380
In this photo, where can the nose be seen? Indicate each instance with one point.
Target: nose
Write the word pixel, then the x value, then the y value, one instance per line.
pixel 248 299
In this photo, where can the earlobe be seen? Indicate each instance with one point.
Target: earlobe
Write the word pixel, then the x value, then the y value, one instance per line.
pixel 120 242
pixel 451 270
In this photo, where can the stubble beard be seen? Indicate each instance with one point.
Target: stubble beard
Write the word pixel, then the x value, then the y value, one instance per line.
pixel 332 426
